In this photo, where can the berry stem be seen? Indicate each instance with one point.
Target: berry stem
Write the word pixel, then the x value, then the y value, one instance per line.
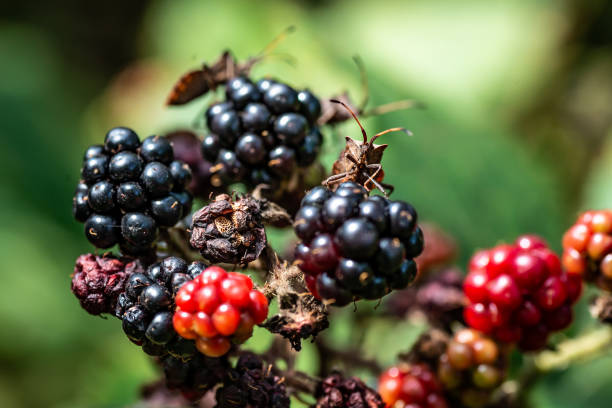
pixel 349 357
pixel 583 348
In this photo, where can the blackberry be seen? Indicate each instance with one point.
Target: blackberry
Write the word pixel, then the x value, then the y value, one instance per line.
pixel 519 293
pixel 195 377
pixel 130 189
pixel 146 307
pixel 354 245
pixel 261 133
pixel 251 384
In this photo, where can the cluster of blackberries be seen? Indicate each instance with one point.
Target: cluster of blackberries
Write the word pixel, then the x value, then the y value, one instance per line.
pixel 128 189
pixel 147 306
pixel 413 386
pixel 250 384
pixel 355 246
pixel 261 132
pixel 339 391
pixel 519 293
pixel 471 368
pixel 587 248
pixel 195 377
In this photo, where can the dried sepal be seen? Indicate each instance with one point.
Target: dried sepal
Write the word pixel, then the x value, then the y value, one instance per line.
pixel 601 308
pixel 339 391
pixel 428 348
pixel 301 315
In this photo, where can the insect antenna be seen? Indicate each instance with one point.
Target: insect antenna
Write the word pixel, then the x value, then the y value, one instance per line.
pixel 363 132
pixel 384 132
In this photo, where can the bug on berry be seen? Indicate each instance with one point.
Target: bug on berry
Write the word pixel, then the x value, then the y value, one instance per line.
pixel 360 161
pixel 198 82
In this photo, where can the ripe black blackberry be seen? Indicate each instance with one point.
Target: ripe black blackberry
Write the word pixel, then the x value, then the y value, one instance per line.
pixel 146 307
pixel 261 132
pixel 355 246
pixel 195 377
pixel 128 189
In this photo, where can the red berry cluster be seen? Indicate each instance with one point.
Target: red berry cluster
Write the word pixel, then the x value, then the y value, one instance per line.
pixel 519 293
pixel 587 248
pixel 218 308
pixel 413 386
pixel 471 368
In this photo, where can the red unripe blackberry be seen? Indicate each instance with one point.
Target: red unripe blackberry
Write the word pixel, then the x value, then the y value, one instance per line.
pixel 218 308
pixel 587 248
pixel 129 189
pixel 354 246
pixel 472 364
pixel 512 289
pixel 411 386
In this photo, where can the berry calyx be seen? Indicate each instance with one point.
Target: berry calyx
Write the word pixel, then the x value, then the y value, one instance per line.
pixel 218 308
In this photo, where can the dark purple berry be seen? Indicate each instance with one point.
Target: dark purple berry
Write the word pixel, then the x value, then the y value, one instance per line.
pixel 152 349
pixel 317 196
pixel 329 290
pixel 255 117
pixel 357 239
pixel 156 179
pixel 309 105
pixel 131 196
pixel 403 276
pixel 375 289
pixel 307 222
pixel 177 280
pixel 174 264
pixel 336 210
pixel 94 169
pixel 196 268
pixel 227 126
pixel 415 243
pixel 351 190
pixel 186 201
pixel 80 207
pixel 402 219
pixel 167 211
pixel 290 128
pixel 125 166
pixel 280 98
pixel 262 176
pixel 156 149
pixel 217 109
pixel 93 151
pixel 236 83
pixel 160 330
pixel 250 149
pixel 135 285
pixel 281 160
pixel 375 212
pixel 264 84
pixel 390 255
pixel 101 197
pixel 101 230
pixel 241 96
pixel 354 275
pixel 303 256
pixel 324 253
pixel 230 168
pixel 154 297
pixel 138 229
pixel 121 138
pixel 308 151
pixel 135 323
pixel 181 174
pixel 210 147
pixel 158 274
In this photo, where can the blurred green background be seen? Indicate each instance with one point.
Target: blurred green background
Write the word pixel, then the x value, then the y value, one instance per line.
pixel 516 138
